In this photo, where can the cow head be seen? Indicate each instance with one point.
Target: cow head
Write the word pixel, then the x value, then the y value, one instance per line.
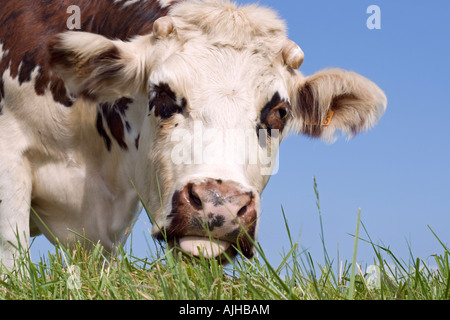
pixel 216 89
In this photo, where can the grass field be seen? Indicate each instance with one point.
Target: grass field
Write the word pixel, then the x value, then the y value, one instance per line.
pixel 87 275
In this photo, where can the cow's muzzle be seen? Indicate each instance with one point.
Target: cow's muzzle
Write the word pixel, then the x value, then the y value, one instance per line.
pixel 212 217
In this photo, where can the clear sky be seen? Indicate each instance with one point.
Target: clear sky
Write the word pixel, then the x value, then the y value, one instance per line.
pixel 399 172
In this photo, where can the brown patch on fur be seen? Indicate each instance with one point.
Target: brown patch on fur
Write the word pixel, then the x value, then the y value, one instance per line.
pixel 165 102
pixel 114 116
pixel 136 141
pixel 101 130
pixel 26 28
pixel 308 109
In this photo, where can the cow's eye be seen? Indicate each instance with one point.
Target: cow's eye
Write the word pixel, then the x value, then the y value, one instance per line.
pixel 276 118
pixel 281 113
pixel 275 114
pixel 164 102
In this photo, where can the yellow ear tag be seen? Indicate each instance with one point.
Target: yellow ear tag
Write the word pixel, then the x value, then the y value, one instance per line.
pixel 80 70
pixel 326 122
pixel 81 73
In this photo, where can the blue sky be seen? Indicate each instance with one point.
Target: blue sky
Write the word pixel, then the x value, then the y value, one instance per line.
pixel 399 172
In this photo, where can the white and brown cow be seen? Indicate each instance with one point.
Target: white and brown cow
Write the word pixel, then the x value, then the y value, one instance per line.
pixel 148 98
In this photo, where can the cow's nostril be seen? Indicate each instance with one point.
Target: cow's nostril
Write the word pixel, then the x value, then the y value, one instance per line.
pixel 193 197
pixel 242 211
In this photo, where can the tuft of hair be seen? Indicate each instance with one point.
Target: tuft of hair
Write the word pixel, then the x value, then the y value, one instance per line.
pixel 225 23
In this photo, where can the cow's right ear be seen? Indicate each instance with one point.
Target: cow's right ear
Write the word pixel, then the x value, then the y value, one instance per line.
pixel 335 100
pixel 95 67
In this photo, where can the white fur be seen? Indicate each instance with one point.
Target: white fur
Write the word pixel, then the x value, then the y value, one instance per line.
pixel 164 3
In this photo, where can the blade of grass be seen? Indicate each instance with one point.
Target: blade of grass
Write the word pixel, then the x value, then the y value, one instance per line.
pixel 322 234
pixel 355 249
pixel 442 244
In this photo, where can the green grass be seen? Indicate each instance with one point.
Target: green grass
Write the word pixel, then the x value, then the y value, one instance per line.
pixel 87 274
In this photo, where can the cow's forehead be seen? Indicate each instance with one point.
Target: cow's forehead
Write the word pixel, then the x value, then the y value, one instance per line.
pixel 226 24
pixel 226 78
pixel 222 53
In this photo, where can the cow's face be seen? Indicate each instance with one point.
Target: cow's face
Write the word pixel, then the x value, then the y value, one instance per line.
pixel 216 119
pixel 221 91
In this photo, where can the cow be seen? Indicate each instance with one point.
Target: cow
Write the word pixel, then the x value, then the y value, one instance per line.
pixel 176 105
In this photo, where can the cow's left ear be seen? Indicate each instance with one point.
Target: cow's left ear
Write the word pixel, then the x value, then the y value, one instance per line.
pixel 95 67
pixel 332 100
